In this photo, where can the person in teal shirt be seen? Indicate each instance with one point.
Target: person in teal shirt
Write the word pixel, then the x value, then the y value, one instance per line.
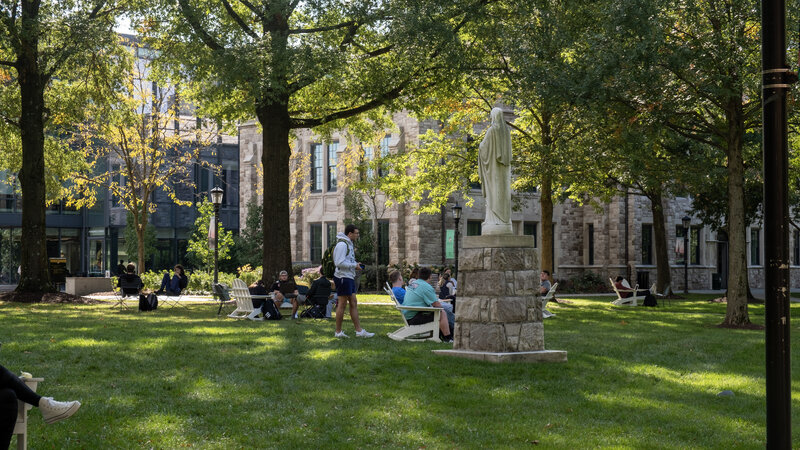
pixel 421 293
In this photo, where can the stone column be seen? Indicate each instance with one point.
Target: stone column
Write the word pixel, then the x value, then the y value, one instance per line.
pixel 499 309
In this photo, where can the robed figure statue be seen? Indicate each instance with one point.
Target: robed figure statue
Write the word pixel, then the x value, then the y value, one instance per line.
pixel 494 162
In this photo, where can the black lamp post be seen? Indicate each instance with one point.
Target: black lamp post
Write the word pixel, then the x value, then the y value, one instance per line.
pixel 457 218
pixel 686 222
pixel 216 199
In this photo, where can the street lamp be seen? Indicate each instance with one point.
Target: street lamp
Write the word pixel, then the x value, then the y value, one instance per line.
pixel 216 199
pixel 686 222
pixel 457 218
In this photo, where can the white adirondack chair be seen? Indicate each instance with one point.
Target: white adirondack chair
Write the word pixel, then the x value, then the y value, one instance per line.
pixel 627 301
pixel 21 426
pixel 413 332
pixel 550 294
pixel 244 303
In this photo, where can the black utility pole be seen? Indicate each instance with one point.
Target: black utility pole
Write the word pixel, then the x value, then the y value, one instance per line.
pixel 777 79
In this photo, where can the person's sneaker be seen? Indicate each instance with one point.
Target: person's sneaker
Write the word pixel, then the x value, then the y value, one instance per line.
pixel 447 339
pixel 341 335
pixel 294 316
pixel 53 411
pixel 364 334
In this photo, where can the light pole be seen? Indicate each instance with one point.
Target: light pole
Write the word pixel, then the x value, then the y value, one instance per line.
pixel 686 222
pixel 457 218
pixel 216 199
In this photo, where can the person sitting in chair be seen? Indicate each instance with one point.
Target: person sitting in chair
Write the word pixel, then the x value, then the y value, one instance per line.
pixel 626 291
pixel 174 285
pixel 320 291
pixel 13 389
pixel 396 280
pixel 129 282
pixel 447 289
pixel 285 289
pixel 421 293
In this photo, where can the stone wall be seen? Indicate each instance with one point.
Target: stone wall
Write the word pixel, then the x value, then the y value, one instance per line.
pixel 499 307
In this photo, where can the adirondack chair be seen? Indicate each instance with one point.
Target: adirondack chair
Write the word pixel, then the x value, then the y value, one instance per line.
pixel 550 294
pixel 413 332
pixel 244 303
pixel 626 301
pixel 21 426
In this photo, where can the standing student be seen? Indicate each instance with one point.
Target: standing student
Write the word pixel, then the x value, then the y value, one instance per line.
pixel 344 257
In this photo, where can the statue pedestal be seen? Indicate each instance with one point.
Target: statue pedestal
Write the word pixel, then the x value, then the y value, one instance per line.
pixel 499 309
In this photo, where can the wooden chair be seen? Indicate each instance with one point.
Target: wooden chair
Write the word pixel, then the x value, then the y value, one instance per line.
pixel 413 332
pixel 550 294
pixel 244 303
pixel 21 427
pixel 626 301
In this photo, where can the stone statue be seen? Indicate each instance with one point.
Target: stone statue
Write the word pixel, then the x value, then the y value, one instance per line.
pixel 494 162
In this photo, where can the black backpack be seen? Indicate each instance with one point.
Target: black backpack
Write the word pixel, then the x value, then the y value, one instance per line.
pixel 314 312
pixel 270 311
pixel 148 302
pixel 328 266
pixel 650 300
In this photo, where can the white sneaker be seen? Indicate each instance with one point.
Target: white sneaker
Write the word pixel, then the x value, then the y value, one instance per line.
pixel 53 411
pixel 341 335
pixel 364 333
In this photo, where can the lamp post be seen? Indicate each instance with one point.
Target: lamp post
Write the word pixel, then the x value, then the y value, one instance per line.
pixel 457 218
pixel 686 222
pixel 216 199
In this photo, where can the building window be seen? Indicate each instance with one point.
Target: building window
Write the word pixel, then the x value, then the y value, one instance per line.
pixel 755 246
pixel 384 152
pixel 679 251
pixel 473 228
pixel 529 229
pixel 316 167
pixel 316 242
pixel 330 233
pixel 369 154
pixel 796 247
pixel 590 244
pixel 383 242
pixel 694 246
pixel 333 147
pixel 647 243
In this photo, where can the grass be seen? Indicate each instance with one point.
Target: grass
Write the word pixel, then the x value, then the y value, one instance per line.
pixel 636 378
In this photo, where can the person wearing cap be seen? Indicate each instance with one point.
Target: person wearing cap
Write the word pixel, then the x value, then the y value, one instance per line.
pixel 285 289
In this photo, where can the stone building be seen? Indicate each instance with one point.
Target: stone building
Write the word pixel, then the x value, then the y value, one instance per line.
pixel 616 240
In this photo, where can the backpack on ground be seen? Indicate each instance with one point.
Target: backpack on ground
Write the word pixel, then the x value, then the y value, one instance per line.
pixel 314 312
pixel 328 266
pixel 270 311
pixel 650 300
pixel 148 302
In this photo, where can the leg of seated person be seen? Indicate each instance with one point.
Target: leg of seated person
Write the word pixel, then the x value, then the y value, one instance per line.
pixel 21 390
pixel 444 326
pixel 278 299
pixel 175 285
pixel 450 315
pixel 294 307
pixel 8 416
pixel 164 282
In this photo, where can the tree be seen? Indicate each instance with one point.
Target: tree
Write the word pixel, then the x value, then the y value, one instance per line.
pixel 198 251
pixel 132 243
pixel 693 66
pixel 247 245
pixel 295 64
pixel 50 53
pixel 137 147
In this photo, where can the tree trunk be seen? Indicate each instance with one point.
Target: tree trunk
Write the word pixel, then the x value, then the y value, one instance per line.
pixel 736 311
pixel 374 201
pixel 277 251
pixel 140 227
pixel 663 273
pixel 546 244
pixel 35 276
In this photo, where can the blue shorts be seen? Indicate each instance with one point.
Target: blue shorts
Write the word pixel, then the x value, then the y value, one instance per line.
pixel 344 286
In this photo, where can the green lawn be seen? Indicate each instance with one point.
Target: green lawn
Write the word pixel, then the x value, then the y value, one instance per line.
pixel 636 378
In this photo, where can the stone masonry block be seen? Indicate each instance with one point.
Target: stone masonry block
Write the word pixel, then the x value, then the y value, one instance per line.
pixel 510 288
pixel 509 309
pixel 512 331
pixel 469 309
pixel 483 283
pixel 508 259
pixel 471 259
pixel 486 337
pixel 531 337
pixel 526 282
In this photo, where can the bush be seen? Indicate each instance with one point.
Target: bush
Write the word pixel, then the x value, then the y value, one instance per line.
pixel 248 274
pixel 587 282
pixel 368 278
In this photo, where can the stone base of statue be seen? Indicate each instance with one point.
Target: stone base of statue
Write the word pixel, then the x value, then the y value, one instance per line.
pixel 499 309
pixel 495 229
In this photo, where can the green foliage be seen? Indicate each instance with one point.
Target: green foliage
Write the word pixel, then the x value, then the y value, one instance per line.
pixel 249 274
pixel 132 240
pixel 198 252
pixel 248 244
pixel 587 282
pixel 663 366
pixel 356 209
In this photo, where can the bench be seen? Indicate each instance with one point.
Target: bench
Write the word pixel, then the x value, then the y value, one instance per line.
pixel 550 295
pixel 21 427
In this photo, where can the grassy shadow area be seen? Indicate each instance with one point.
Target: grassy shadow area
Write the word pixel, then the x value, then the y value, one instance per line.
pixel 636 377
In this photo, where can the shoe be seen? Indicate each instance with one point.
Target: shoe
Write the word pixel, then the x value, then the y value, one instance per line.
pixel 294 316
pixel 53 411
pixel 447 339
pixel 364 334
pixel 341 335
